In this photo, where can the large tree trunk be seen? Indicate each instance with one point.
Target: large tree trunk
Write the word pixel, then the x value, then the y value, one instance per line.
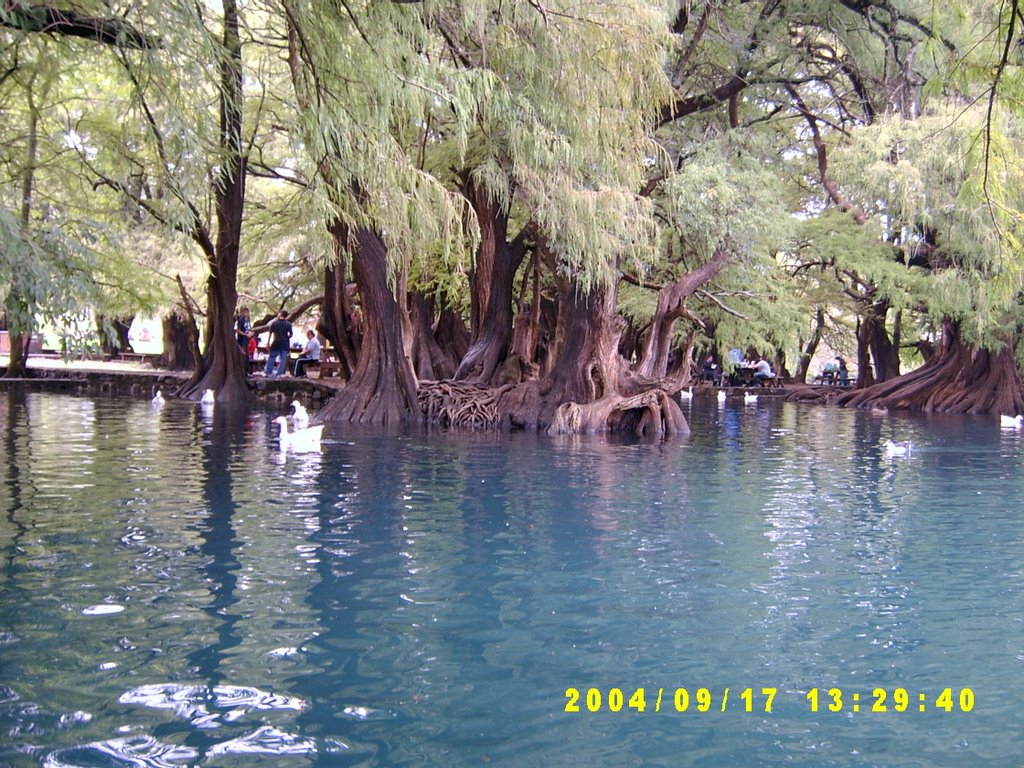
pixel 382 389
pixel 804 364
pixel 339 322
pixel 497 261
pixel 17 361
pixel 957 379
pixel 586 388
pixel 224 363
pixel 582 392
pixel 430 359
pixel 527 333
pixel 451 334
pixel 120 326
pixel 672 306
pixel 873 337
pixel 180 337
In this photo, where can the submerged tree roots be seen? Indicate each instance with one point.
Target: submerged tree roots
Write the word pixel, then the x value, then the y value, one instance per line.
pixel 456 404
pixel 653 413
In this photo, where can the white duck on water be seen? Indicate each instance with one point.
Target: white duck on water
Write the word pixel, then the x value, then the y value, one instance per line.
pixel 904 448
pixel 158 398
pixel 749 398
pixel 207 398
pixel 1011 422
pixel 299 414
pixel 301 440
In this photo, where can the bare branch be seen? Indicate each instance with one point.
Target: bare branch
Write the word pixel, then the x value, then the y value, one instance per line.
pixel 46 19
pixel 715 300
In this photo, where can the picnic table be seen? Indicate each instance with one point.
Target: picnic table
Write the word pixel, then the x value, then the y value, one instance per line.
pixel 330 364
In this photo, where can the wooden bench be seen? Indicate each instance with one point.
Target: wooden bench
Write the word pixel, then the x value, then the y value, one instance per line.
pixel 329 364
pixel 329 369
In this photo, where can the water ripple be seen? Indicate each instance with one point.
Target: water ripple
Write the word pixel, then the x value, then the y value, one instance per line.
pixel 196 703
pixel 133 752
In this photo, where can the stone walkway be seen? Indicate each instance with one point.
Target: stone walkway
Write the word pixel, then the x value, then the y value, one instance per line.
pixel 132 378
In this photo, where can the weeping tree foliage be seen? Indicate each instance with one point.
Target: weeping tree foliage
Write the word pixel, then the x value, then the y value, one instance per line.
pixel 50 279
pixel 952 204
pixel 405 99
pixel 759 174
pixel 66 258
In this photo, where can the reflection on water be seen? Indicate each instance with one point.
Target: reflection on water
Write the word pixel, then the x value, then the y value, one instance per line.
pixel 174 591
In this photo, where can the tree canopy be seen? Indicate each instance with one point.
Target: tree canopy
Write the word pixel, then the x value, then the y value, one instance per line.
pixel 537 210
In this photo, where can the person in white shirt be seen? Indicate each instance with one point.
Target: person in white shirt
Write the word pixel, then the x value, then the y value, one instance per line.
pixel 309 354
pixel 762 370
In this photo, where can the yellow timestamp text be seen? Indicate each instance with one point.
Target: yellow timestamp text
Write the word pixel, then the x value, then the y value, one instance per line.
pixel 885 700
pixel 764 699
pixel 679 699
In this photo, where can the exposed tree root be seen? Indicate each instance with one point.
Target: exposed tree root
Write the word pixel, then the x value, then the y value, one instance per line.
pixel 457 404
pixel 957 379
pixel 651 413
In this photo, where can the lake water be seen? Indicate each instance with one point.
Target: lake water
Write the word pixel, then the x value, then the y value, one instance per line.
pixel 173 592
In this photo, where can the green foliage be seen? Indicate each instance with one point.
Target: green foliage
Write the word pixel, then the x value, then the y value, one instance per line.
pixel 50 278
pixel 944 202
pixel 378 114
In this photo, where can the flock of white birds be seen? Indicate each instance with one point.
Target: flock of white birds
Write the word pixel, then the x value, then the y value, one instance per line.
pixel 300 438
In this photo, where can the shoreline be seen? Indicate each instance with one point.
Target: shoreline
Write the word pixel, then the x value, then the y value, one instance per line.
pixel 141 380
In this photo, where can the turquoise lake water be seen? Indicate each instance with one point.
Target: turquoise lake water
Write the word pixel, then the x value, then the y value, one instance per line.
pixel 174 592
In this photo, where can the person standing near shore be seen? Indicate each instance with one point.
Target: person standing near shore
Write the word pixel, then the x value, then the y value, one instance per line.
pixel 243 329
pixel 280 341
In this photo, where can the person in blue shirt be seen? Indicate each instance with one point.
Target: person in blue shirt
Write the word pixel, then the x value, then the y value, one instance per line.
pixel 842 372
pixel 243 329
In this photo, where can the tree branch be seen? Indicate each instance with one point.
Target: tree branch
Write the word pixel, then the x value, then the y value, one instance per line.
pixel 46 19
pixel 715 300
pixel 819 147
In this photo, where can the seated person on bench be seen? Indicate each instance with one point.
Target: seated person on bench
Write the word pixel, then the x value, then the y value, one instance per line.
pixel 309 354
pixel 842 372
pixel 709 370
pixel 762 371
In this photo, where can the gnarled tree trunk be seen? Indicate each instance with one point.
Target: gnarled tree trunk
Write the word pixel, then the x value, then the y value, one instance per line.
pixel 582 392
pixel 382 389
pixel 430 360
pixel 181 345
pixel 957 379
pixel 120 327
pixel 672 306
pixel 494 273
pixel 451 334
pixel 873 338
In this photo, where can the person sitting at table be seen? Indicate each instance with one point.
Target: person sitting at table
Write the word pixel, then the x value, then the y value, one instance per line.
pixel 709 370
pixel 762 370
pixel 828 373
pixel 309 354
pixel 842 372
